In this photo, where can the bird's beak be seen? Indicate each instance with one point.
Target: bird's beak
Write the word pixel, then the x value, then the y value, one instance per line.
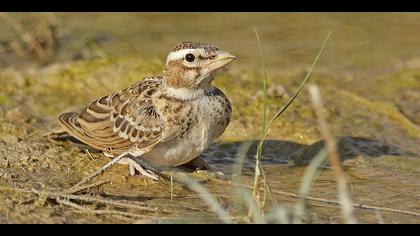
pixel 222 59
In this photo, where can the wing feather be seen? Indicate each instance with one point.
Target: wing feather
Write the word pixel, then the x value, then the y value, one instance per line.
pixel 120 121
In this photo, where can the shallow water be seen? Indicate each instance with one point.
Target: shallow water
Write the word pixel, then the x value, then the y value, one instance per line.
pixel 369 79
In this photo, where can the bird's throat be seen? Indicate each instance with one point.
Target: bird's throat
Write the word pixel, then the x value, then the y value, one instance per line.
pixel 188 93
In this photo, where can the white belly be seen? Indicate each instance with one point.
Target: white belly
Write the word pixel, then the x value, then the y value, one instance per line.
pixel 211 122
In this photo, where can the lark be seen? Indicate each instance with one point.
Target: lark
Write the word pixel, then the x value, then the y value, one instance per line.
pixel 165 121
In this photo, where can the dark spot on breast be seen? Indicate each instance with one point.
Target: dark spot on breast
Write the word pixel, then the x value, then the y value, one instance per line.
pixel 178 108
pixel 228 107
pixel 168 99
pixel 165 108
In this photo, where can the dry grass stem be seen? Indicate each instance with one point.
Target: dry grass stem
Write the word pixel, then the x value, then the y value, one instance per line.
pixel 331 145
pixel 308 179
pixel 82 188
pixel 26 37
pixel 57 194
pixel 100 212
pixel 207 197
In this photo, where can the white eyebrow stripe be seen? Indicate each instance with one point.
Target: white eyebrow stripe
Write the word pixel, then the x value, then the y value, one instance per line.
pixel 178 54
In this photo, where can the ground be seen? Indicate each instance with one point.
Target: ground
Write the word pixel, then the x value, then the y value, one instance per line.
pixel 374 115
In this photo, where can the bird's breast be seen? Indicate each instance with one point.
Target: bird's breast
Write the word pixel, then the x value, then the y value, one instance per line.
pixel 209 117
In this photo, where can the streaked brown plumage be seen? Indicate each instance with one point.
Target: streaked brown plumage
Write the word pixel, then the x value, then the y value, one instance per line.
pixel 114 123
pixel 165 120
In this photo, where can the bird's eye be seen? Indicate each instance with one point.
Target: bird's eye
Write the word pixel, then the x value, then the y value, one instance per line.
pixel 189 57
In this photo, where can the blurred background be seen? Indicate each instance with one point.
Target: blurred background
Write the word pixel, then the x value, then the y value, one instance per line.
pixel 369 77
pixel 361 41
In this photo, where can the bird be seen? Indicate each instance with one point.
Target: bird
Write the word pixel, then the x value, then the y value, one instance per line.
pixel 166 120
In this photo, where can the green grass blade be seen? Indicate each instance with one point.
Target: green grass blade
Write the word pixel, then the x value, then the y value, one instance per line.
pixel 265 97
pixel 299 89
pixel 258 168
pixel 265 104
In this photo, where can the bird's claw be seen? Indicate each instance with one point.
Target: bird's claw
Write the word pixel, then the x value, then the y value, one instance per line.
pixel 134 166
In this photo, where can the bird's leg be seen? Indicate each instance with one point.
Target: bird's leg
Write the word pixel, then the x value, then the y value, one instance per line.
pixel 119 159
pixel 102 169
pixel 133 166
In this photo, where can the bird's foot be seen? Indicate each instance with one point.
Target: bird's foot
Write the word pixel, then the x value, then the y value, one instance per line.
pixel 135 167
pixel 197 164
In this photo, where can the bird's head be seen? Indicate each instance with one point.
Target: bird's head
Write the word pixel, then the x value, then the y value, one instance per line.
pixel 190 67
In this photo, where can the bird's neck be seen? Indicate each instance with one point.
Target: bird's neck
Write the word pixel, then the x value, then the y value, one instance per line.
pixel 184 93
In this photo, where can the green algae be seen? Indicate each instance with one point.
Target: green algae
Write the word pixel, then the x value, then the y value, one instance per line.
pixel 378 137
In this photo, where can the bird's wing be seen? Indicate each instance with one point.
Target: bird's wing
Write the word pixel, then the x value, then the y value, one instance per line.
pixel 120 121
